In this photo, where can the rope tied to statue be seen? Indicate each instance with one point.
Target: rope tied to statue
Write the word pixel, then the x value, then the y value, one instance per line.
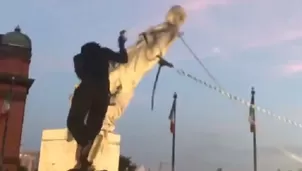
pixel 162 62
pixel 181 36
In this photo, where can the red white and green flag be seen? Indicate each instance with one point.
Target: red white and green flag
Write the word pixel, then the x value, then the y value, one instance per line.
pixel 252 119
pixel 172 117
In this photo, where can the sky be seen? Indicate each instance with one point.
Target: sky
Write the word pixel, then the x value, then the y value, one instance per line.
pixel 244 43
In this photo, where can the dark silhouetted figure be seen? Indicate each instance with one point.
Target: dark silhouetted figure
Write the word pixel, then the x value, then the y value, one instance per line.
pixel 92 96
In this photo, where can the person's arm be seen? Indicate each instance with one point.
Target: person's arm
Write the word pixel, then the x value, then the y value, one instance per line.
pixel 119 57
pixel 122 56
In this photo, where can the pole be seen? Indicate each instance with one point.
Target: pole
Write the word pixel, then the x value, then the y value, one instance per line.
pixel 255 151
pixel 173 136
pixel 2 156
pixel 254 132
pixel 173 153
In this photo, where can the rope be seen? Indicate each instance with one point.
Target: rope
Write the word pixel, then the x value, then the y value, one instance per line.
pixel 199 61
pixel 154 87
pixel 221 90
pixel 162 63
pixel 238 99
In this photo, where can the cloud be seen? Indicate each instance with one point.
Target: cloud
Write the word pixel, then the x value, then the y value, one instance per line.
pixel 195 5
pixel 278 37
pixel 294 67
pixel 216 50
pixel 291 155
pixel 280 25
pixel 190 6
pixel 241 25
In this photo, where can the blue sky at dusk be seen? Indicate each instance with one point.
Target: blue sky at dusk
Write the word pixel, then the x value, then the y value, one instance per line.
pixel 244 43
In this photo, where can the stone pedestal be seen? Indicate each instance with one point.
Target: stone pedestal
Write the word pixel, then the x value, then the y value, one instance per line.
pixel 58 151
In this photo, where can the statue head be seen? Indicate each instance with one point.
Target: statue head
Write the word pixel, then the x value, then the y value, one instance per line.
pixel 176 15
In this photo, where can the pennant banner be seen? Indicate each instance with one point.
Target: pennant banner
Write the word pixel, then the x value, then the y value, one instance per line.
pixel 238 99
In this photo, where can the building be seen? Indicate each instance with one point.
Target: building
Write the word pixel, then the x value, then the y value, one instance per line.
pixel 30 160
pixel 15 57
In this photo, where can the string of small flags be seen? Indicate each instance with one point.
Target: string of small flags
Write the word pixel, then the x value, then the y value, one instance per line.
pixel 238 99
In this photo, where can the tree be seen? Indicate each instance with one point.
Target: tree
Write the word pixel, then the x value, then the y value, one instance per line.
pixel 125 164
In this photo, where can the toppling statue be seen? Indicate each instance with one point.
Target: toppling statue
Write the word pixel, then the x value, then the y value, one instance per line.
pixel 143 56
pixel 148 51
pixel 91 98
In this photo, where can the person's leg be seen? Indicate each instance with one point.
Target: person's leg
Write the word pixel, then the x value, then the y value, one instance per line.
pixel 81 102
pixel 96 116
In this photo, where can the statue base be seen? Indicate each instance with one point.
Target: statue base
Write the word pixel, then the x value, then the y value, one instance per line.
pixel 58 151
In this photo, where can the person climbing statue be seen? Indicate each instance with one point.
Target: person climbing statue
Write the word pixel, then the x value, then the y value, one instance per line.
pixel 91 98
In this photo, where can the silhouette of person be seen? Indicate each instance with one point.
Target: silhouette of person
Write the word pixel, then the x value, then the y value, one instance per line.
pixel 92 96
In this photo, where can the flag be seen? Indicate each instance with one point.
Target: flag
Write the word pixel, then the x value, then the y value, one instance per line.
pixel 6 105
pixel 252 119
pixel 172 117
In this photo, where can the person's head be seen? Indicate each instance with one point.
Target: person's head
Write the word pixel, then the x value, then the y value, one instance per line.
pixel 91 49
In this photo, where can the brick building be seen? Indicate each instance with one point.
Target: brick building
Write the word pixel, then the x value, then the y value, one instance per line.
pixel 15 57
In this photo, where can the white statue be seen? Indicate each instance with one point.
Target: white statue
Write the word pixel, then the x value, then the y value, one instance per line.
pixel 143 56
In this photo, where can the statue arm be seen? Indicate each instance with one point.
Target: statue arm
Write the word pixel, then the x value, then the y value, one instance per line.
pixel 119 57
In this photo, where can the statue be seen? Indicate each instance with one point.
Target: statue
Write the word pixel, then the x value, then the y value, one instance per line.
pixel 143 56
pixel 148 51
